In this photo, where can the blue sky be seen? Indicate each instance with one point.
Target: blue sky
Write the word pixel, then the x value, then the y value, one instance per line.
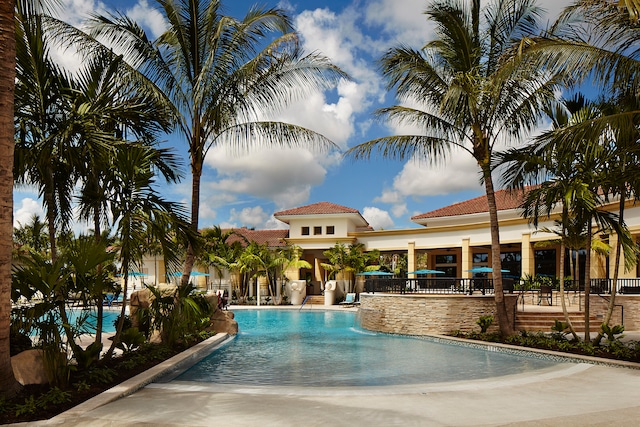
pixel 246 190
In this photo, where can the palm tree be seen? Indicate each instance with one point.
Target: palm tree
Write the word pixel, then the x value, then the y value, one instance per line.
pixel 216 251
pixel 115 105
pixel 8 384
pixel 218 74
pixel 572 176
pixel 44 154
pixel 465 95
pixel 32 236
pixel 139 211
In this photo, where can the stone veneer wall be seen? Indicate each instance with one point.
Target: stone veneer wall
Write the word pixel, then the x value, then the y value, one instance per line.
pixel 631 304
pixel 428 314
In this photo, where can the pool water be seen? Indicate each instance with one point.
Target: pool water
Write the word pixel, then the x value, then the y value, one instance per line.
pixel 108 317
pixel 327 349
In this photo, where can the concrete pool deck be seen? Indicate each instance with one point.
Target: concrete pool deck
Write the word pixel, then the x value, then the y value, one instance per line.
pixel 576 394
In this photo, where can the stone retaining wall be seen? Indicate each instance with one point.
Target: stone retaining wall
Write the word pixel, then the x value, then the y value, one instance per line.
pixel 428 314
pixel 630 306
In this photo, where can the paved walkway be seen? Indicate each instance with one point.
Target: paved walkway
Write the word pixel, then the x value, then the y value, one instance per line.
pixel 570 394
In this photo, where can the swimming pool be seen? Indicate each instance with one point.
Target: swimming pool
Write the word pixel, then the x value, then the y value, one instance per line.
pixel 326 349
pixel 108 317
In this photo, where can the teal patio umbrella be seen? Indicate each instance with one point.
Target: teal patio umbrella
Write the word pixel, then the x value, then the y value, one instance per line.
pixel 426 271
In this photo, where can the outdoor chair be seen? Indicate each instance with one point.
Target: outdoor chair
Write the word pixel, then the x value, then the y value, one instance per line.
pixel 545 293
pixel 349 300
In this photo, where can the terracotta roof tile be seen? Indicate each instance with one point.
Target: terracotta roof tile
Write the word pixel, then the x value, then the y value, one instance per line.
pixel 505 200
pixel 320 208
pixel 273 238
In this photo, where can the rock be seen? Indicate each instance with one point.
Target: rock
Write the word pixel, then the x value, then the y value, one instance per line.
pixel 223 321
pixel 28 367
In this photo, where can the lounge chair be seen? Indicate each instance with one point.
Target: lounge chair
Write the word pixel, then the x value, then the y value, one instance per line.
pixel 350 299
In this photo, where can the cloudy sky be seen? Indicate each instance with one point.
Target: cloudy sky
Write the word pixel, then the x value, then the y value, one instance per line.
pixel 246 190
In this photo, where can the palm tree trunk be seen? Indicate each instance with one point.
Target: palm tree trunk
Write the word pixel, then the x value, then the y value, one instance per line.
pixel 50 204
pixel 616 271
pixel 506 327
pixel 564 303
pixel 9 387
pixel 587 285
pixel 196 173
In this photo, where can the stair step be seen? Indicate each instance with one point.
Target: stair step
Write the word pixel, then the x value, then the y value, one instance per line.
pixel 543 321
pixel 315 299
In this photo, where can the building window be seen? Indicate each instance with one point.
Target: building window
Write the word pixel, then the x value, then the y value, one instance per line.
pixel 447 263
pixel 546 262
pixel 445 259
pixel 305 231
pixel 331 229
pixel 317 231
pixel 511 261
pixel 481 258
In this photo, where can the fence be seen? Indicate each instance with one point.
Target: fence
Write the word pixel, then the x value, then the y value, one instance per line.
pixel 460 286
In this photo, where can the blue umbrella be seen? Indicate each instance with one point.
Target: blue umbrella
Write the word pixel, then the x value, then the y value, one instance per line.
pixel 484 270
pixel 374 273
pixel 426 271
pixel 193 273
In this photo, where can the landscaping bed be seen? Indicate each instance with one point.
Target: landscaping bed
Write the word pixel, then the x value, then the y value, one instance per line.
pixel 39 402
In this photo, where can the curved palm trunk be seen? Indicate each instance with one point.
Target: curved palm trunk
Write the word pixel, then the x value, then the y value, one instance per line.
pixel 506 327
pixel 9 387
pixel 587 285
pixel 564 303
pixel 616 272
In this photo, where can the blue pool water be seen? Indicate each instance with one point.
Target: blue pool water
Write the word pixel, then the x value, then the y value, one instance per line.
pixel 108 317
pixel 326 349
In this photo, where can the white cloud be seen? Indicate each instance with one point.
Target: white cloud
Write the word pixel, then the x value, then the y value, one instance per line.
pixel 249 217
pixel 377 218
pixel 459 173
pixel 284 176
pixel 148 17
pixel 28 208
pixel 403 21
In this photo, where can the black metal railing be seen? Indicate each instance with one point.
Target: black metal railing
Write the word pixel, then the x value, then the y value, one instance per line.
pixel 460 286
pixel 440 285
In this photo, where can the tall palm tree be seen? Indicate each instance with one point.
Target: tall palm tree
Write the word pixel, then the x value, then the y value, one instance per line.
pixel 44 154
pixel 572 176
pixel 219 73
pixel 465 95
pixel 8 384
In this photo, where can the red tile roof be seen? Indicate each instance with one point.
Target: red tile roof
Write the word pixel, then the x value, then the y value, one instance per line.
pixel 505 200
pixel 320 208
pixel 273 238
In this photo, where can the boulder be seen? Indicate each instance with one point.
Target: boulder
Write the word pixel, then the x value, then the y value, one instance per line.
pixel 223 321
pixel 28 367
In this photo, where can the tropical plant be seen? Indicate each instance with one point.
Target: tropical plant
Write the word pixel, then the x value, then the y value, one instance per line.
pixel 571 175
pixel 31 236
pixel 464 94
pixel 219 74
pixel 139 211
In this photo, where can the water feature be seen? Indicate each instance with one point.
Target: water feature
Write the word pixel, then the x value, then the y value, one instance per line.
pixel 327 349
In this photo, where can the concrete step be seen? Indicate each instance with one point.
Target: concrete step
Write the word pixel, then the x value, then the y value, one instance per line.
pixel 543 321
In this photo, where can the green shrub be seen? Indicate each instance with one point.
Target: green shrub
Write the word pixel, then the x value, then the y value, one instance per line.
pixel 484 322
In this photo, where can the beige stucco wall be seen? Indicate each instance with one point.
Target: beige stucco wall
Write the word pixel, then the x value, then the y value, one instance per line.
pixel 427 314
